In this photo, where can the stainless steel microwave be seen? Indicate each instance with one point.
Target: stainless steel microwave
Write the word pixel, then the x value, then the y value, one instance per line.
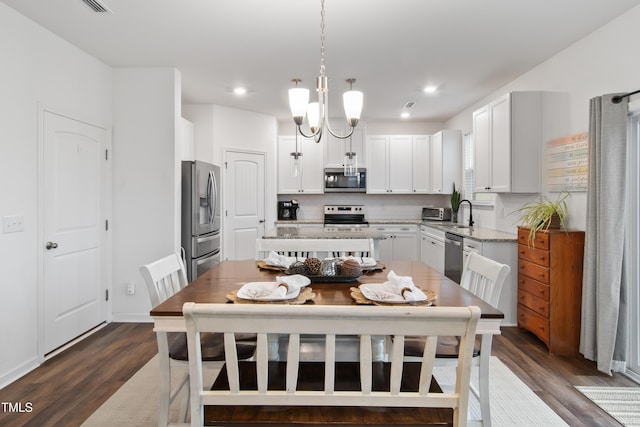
pixel 436 214
pixel 335 181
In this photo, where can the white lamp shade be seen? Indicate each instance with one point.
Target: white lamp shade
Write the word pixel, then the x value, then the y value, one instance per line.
pixel 298 100
pixel 352 104
pixel 313 115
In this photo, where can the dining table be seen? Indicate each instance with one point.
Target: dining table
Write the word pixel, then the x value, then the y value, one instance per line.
pixel 217 284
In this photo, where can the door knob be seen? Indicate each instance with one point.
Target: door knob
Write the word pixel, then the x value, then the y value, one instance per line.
pixel 261 221
pixel 51 245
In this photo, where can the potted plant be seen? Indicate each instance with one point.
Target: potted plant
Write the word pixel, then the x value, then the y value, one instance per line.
pixel 544 214
pixel 455 203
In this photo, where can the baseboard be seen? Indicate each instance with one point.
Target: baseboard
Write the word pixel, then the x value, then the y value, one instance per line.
pixel 18 372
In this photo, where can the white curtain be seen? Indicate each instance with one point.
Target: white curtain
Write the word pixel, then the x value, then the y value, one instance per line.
pixel 604 314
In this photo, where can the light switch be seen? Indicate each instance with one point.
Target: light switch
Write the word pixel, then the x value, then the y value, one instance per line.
pixel 12 224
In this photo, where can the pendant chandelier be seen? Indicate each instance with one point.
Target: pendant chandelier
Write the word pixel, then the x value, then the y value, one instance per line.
pixel 317 112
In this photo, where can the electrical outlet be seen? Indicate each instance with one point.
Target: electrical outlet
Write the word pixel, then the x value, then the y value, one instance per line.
pixel 12 224
pixel 131 287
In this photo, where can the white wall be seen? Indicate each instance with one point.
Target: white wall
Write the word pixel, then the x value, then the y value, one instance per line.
pixel 37 69
pixel 146 180
pixel 605 61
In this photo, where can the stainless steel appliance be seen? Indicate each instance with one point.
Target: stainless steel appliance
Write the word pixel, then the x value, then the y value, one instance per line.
pixel 453 256
pixel 344 216
pixel 201 232
pixel 335 181
pixel 436 214
pixel 288 210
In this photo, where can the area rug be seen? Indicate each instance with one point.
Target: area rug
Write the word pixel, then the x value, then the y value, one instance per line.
pixel 512 402
pixel 622 403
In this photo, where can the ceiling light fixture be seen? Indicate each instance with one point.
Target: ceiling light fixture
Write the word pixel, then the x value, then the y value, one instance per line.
pixel 240 91
pixel 430 89
pixel 317 112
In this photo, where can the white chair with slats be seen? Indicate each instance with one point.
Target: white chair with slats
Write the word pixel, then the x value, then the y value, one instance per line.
pixel 164 278
pixel 314 247
pixel 298 384
pixel 484 278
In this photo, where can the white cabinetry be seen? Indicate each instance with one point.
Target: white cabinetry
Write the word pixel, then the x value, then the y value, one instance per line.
pixel 311 179
pixel 505 252
pixel 396 164
pixel 507 136
pixel 335 148
pixel 401 242
pixel 186 142
pixel 446 161
pixel 432 247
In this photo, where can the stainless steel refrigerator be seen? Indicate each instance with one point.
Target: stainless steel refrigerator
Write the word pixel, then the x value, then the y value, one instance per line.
pixel 201 232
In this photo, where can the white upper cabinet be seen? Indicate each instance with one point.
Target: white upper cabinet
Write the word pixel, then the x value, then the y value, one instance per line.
pixel 310 181
pixel 397 164
pixel 446 161
pixel 507 136
pixel 335 148
pixel 186 141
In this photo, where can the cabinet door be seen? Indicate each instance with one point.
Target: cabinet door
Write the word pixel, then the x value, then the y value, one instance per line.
pixel 421 164
pixel 186 140
pixel 336 148
pixel 400 172
pixel 287 183
pixel 312 180
pixel 501 144
pixel 482 149
pixel 405 247
pixel 436 164
pixel 377 164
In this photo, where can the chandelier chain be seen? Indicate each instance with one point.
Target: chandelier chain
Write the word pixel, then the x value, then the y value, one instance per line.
pixel 322 37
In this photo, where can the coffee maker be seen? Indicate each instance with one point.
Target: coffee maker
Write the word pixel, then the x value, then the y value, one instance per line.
pixel 287 210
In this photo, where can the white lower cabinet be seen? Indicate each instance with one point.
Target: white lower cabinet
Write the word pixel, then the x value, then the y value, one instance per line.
pixel 432 247
pixel 505 252
pixel 401 242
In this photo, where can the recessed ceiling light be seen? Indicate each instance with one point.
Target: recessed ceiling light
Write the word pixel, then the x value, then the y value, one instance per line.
pixel 430 89
pixel 240 91
pixel 405 115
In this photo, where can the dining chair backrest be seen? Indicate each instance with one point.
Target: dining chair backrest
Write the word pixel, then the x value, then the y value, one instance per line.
pixel 325 386
pixel 484 277
pixel 164 278
pixel 315 247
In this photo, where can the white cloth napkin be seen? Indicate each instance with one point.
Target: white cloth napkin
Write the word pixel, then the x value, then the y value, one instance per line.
pixel 293 283
pixel 403 285
pixel 278 260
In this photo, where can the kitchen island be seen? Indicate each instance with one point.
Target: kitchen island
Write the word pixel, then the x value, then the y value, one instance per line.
pixel 323 233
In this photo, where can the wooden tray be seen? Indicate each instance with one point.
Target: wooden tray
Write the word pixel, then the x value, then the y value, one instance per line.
pixel 356 294
pixel 306 294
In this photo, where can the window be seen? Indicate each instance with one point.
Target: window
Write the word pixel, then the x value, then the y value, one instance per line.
pixel 468 176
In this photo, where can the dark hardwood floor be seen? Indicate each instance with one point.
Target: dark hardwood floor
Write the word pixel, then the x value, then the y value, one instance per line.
pixel 68 388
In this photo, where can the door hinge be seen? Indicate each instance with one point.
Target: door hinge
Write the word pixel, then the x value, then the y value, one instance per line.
pixel 106 154
pixel 226 212
pixel 225 165
pixel 106 294
pixel 106 225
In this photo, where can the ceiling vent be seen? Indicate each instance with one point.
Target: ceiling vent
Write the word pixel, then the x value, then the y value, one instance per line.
pixel 97 6
pixel 409 105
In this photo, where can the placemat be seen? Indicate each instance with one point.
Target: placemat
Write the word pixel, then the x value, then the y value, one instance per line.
pixel 306 294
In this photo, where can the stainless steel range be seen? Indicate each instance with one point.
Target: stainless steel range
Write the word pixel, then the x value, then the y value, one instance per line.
pixel 345 216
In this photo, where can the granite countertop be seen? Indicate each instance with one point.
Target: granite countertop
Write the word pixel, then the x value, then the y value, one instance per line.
pixel 322 233
pixel 476 233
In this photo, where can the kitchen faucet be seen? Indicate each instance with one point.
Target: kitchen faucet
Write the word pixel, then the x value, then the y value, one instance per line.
pixel 470 211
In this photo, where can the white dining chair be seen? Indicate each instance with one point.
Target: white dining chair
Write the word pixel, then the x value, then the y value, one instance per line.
pixel 484 278
pixel 315 247
pixel 164 278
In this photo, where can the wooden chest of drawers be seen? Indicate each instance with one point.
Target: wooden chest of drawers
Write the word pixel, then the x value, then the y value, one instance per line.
pixel 550 287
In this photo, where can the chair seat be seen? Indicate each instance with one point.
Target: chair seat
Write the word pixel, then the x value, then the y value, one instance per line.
pixel 212 345
pixel 447 347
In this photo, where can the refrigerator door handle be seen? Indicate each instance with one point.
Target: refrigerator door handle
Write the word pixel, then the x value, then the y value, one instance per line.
pixel 209 198
pixel 214 195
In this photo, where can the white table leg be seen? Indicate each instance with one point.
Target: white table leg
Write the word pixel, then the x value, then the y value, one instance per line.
pixel 165 379
pixel 483 380
pixel 273 346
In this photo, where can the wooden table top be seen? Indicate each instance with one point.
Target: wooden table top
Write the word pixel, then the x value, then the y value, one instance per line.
pixel 215 285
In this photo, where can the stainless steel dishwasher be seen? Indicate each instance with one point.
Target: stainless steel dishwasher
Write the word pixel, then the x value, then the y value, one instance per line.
pixel 453 256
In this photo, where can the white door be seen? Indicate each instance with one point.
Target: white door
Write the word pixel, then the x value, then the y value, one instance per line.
pixel 74 294
pixel 244 195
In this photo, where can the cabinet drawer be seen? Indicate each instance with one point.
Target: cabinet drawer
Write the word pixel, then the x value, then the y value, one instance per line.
pixel 538 305
pixel 534 287
pixel 534 271
pixel 534 323
pixel 541 241
pixel 536 256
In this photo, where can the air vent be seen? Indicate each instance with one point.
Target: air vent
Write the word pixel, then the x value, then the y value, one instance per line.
pixel 409 105
pixel 97 6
